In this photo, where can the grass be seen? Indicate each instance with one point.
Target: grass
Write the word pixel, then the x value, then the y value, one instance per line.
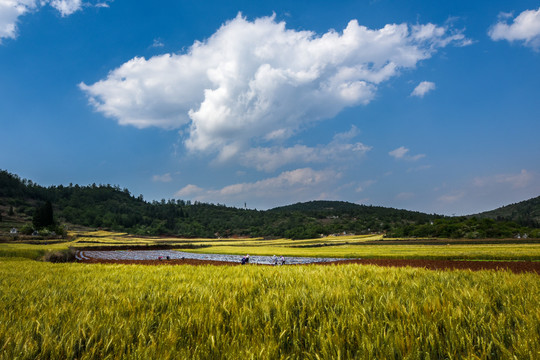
pixel 75 311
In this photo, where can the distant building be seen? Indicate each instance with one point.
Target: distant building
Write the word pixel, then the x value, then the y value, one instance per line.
pixel 13 231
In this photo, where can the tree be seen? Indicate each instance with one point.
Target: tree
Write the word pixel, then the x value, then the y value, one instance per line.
pixel 11 212
pixel 43 216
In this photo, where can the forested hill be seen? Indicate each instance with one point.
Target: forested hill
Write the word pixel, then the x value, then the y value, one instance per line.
pixel 526 213
pixel 110 207
pixel 329 208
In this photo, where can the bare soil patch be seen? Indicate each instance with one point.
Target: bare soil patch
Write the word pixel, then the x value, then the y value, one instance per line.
pixel 514 266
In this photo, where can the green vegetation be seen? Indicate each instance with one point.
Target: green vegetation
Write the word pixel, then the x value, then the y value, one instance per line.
pixel 525 213
pixel 463 227
pixel 109 207
pixel 72 311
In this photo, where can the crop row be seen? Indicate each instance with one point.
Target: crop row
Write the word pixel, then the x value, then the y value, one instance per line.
pixel 76 311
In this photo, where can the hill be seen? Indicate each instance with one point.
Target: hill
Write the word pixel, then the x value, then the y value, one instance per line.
pixel 526 213
pixel 334 208
pixel 113 208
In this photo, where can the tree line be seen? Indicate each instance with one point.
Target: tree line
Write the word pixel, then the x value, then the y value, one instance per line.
pixel 111 207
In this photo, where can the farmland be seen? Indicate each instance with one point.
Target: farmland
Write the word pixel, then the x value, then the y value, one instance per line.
pixel 113 311
pixel 359 246
pixel 95 311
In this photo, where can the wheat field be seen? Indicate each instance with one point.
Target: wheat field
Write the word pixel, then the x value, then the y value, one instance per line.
pixel 78 311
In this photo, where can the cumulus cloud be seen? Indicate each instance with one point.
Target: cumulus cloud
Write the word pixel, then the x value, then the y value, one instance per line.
pixel 11 10
pixel 423 88
pixel 66 7
pixel 401 153
pixel 525 27
pixel 295 185
pixel 256 81
pixel 338 150
pixel 189 190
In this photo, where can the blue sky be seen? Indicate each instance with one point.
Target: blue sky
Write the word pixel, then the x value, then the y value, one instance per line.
pixel 420 105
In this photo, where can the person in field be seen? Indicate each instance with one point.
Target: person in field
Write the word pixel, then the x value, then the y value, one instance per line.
pixel 274 260
pixel 282 260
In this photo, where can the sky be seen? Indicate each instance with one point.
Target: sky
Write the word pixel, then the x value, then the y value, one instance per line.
pixel 431 106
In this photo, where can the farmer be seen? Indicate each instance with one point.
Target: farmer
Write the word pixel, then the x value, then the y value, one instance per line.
pixel 282 260
pixel 274 260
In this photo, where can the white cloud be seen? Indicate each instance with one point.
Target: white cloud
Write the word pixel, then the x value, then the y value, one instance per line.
pixel 525 27
pixel 340 149
pixel 66 7
pixel 489 192
pixel 189 190
pixel 452 197
pixel 364 185
pixel 423 88
pixel 289 186
pixel 516 181
pixel 255 81
pixel 401 154
pixel 157 43
pixel 11 10
pixel 162 178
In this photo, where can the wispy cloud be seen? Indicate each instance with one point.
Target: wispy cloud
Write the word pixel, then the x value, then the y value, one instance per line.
pixel 11 10
pixel 340 149
pixel 364 185
pixel 525 27
pixel 452 197
pixel 157 43
pixel 162 178
pixel 423 88
pixel 287 187
pixel 402 153
pixel 516 181
pixel 405 196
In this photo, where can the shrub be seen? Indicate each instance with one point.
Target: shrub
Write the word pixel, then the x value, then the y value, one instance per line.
pixel 60 256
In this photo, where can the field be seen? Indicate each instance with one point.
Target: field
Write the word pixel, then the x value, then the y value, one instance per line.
pixel 112 311
pixel 367 247
pixel 74 311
